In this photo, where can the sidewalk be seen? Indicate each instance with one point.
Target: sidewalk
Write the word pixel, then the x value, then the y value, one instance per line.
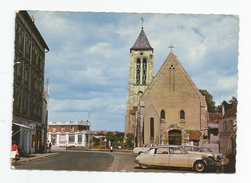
pixel 32 157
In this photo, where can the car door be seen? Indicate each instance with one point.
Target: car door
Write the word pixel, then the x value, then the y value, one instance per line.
pixel 177 157
pixel 161 156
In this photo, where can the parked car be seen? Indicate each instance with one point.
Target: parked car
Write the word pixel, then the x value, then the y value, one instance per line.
pixel 217 157
pixel 173 156
pixel 139 150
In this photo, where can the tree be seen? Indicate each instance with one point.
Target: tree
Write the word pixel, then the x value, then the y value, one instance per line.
pixel 233 101
pixel 227 105
pixel 209 100
pixel 129 140
pixel 110 136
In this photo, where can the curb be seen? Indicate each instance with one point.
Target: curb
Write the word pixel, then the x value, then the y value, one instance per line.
pixel 36 158
pixel 114 165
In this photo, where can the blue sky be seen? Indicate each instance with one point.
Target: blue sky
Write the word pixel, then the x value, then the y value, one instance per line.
pixel 88 62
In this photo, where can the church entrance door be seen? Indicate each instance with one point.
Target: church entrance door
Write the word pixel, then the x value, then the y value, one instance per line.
pixel 174 137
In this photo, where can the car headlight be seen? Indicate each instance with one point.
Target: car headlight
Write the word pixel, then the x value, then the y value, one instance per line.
pixel 210 161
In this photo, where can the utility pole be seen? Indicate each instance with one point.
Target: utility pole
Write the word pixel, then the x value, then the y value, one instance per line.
pixel 89 122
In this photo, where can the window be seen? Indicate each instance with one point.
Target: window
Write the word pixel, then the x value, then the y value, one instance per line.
pixel 79 139
pixel 72 128
pixel 27 47
pixel 62 129
pixel 138 72
pixel 231 124
pixel 26 73
pixel 224 125
pixel 162 114
pixel 62 138
pixel 174 150
pixel 182 114
pixel 144 73
pixel 20 39
pixel 71 139
pixel 162 150
pixel 151 128
pixel 54 129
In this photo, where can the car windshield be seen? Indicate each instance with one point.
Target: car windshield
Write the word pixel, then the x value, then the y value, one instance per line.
pixel 149 151
pixel 206 149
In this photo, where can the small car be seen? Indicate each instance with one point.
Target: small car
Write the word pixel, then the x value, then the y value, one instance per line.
pixel 217 157
pixel 139 150
pixel 173 156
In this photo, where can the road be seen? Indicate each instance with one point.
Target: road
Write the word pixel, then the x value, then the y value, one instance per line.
pixel 92 161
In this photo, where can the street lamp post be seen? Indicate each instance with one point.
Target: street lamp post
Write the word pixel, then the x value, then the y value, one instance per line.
pixel 105 143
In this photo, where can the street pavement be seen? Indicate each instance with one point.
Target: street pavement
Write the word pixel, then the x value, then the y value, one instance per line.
pixel 61 159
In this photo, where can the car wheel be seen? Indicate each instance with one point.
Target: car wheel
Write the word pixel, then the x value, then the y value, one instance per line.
pixel 139 152
pixel 199 166
pixel 143 166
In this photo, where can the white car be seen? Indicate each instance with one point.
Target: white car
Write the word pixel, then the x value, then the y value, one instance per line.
pixel 217 157
pixel 173 156
pixel 139 150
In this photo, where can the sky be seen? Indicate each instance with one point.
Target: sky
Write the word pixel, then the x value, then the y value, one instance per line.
pixel 88 61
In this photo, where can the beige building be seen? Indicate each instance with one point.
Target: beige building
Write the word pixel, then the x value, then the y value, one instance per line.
pixel 227 131
pixel 167 108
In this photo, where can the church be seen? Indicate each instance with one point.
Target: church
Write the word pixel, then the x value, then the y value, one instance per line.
pixel 166 108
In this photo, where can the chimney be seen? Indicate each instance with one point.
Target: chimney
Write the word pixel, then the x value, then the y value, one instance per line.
pixel 222 110
pixel 32 18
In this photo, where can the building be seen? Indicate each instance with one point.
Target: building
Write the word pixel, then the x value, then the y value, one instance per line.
pixel 28 126
pixel 167 108
pixel 227 131
pixel 212 140
pixel 65 134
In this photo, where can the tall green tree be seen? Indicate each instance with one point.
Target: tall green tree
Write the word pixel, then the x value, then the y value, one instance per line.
pixel 228 105
pixel 209 100
pixel 129 140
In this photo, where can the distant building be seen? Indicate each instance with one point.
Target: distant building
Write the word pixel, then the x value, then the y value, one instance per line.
pixel 212 140
pixel 166 108
pixel 65 134
pixel 28 126
pixel 227 131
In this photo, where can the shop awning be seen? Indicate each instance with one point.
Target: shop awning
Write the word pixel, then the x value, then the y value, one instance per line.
pixel 23 126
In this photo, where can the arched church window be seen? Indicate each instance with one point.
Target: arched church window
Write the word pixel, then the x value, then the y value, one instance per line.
pixel 151 127
pixel 182 114
pixel 162 114
pixel 138 72
pixel 144 71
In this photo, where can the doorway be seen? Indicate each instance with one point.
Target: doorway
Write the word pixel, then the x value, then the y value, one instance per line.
pixel 174 137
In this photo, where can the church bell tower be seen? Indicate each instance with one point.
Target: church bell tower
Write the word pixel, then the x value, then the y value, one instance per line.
pixel 140 76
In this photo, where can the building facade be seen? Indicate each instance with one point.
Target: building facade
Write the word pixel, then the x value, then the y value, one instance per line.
pixel 167 108
pixel 66 134
pixel 212 140
pixel 227 132
pixel 28 127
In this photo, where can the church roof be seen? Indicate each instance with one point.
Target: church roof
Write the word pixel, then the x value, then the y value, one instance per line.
pixel 142 42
